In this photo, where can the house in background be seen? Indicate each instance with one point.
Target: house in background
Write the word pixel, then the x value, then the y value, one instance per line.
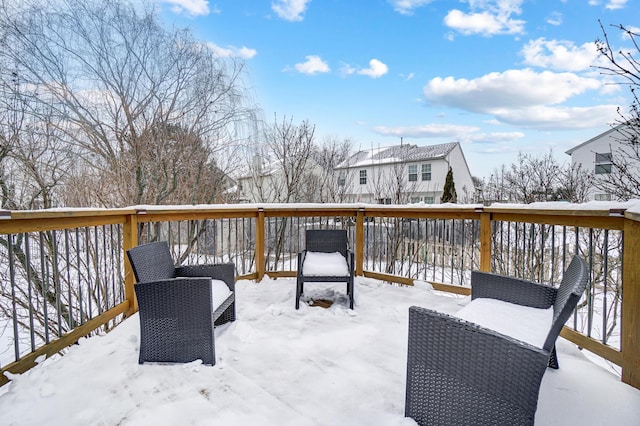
pixel 595 157
pixel 404 174
pixel 266 182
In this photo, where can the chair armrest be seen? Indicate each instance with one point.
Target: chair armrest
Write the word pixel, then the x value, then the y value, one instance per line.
pixel 461 373
pixel 220 271
pixel 301 256
pixel 513 290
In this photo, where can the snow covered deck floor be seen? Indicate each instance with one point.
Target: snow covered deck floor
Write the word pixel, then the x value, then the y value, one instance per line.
pixel 279 366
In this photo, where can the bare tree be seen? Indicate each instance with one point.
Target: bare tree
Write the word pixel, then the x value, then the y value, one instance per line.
pixel 126 91
pixel 290 174
pixel 100 105
pixel 574 184
pixel 537 178
pixel 624 66
pixel 332 184
pixel 291 148
pixel 533 178
pixel 496 189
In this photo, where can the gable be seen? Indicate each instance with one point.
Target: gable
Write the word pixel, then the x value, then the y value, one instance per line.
pixel 608 136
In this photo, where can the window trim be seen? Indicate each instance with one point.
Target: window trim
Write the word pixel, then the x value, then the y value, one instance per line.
pixel 342 178
pixel 424 173
pixel 413 173
pixel 363 177
pixel 603 163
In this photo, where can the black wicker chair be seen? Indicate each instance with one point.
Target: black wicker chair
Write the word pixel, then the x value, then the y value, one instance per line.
pixel 325 241
pixel 459 373
pixel 177 305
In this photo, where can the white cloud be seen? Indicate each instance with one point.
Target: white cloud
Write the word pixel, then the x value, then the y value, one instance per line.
pixel 560 55
pixel 427 131
pixel 232 51
pixel 558 118
pixel 406 7
pixel 611 4
pixel 616 4
pixel 523 98
pixel 509 89
pixel 482 23
pixel 487 17
pixel 492 138
pixel 347 69
pixel 313 65
pixel 554 18
pixel 467 134
pixel 188 7
pixel 290 10
pixel 376 69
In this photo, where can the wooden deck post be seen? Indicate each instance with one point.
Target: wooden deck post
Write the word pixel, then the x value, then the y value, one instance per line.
pixel 485 242
pixel 130 240
pixel 631 302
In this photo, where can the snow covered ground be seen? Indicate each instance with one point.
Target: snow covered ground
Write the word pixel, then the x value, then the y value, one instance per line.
pixel 279 366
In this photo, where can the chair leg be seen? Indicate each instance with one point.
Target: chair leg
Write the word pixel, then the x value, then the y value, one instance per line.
pixel 553 359
pixel 298 292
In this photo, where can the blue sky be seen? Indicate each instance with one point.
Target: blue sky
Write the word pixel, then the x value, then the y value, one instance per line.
pixel 499 76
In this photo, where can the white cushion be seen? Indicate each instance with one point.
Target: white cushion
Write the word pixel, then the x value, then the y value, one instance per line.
pixel 220 292
pixel 324 264
pixel 523 323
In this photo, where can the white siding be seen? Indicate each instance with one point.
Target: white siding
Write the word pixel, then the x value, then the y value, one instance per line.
pixel 585 155
pixel 381 178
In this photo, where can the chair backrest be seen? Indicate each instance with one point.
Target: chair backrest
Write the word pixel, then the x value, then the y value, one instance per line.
pixel 327 240
pixel 574 281
pixel 152 262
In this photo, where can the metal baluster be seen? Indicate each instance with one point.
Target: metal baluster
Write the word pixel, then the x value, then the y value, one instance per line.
pixel 14 308
pixel 27 250
pixel 45 288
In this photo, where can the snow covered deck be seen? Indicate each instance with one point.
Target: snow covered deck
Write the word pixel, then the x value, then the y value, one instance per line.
pixel 279 366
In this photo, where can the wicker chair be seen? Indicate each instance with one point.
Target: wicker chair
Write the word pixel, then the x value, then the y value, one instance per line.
pixel 177 305
pixel 329 242
pixel 459 373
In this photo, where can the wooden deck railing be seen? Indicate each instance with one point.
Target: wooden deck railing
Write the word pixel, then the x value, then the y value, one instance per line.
pixel 397 244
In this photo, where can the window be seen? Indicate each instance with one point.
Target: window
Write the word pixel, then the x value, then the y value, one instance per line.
pixel 342 177
pixel 415 200
pixel 384 200
pixel 363 177
pixel 428 200
pixel 413 173
pixel 602 197
pixel 603 163
pixel 426 172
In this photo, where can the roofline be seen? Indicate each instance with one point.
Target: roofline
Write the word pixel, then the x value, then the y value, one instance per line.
pixel 613 129
pixel 373 163
pixel 464 159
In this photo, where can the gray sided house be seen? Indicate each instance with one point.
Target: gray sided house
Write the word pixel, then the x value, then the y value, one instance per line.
pixel 405 173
